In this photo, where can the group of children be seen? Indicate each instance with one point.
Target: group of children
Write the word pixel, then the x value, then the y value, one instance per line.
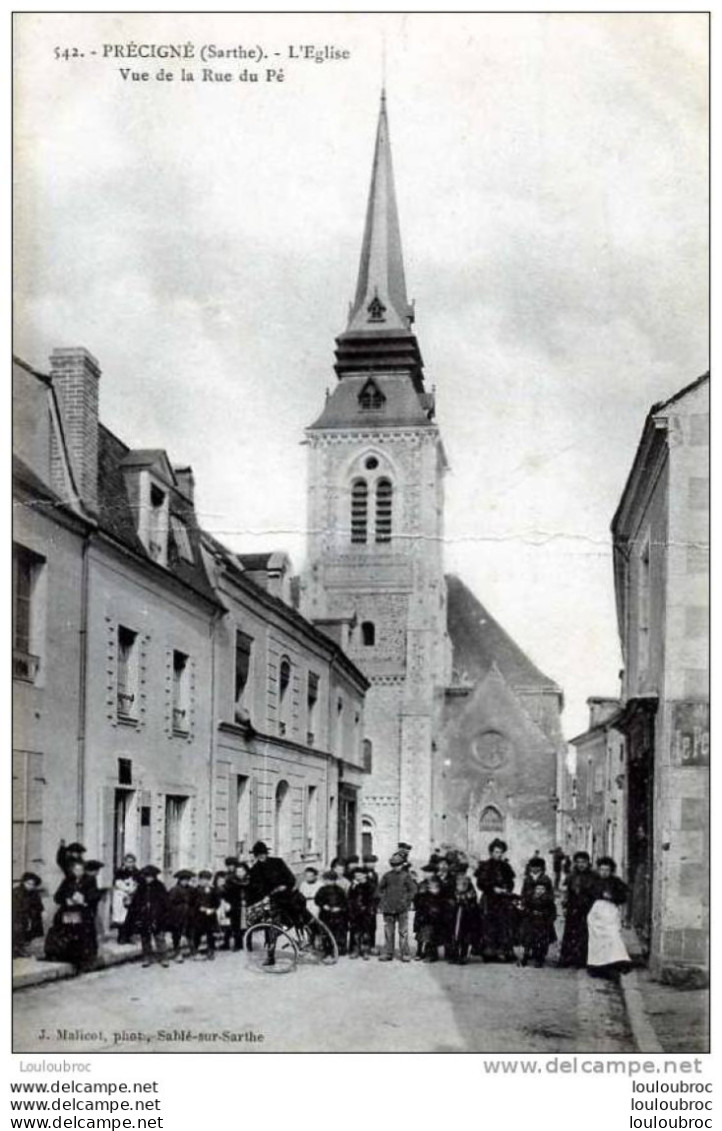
pixel 203 911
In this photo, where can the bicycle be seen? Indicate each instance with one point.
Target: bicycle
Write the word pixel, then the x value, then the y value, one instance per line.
pixel 276 939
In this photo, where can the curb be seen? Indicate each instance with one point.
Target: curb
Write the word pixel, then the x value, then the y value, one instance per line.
pixel 44 972
pixel 645 1037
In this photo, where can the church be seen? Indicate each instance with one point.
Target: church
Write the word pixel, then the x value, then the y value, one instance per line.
pixel 464 737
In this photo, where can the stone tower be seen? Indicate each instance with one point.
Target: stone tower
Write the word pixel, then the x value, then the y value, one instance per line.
pixel 374 576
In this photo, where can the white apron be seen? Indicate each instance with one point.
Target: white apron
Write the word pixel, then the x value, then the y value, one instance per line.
pixel 605 934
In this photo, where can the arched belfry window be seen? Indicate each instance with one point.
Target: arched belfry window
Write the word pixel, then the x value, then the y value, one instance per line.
pixel 384 501
pixel 491 820
pixel 359 510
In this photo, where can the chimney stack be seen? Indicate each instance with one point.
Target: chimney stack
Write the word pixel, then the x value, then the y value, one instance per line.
pixel 186 481
pixel 76 375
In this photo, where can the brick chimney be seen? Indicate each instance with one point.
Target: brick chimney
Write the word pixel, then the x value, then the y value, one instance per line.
pixel 186 481
pixel 76 375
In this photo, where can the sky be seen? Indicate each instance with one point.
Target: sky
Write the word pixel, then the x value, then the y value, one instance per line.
pixel 201 239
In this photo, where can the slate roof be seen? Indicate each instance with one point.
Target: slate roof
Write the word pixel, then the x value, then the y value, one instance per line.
pixel 115 515
pixel 26 477
pixel 478 641
pixel 402 407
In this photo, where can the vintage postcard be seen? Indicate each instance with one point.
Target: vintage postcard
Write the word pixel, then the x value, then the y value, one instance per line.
pixel 360 643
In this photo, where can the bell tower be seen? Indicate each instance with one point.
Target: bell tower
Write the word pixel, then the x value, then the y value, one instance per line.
pixel 374 576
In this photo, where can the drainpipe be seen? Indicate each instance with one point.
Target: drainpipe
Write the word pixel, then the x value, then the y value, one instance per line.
pixel 82 692
pixel 215 621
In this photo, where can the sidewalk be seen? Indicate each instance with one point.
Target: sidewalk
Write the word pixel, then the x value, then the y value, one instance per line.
pixel 664 1018
pixel 36 971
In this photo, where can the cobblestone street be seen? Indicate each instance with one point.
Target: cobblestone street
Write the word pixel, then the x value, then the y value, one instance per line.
pixel 354 1006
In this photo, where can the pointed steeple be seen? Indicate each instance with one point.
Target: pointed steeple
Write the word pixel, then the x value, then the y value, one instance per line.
pixel 381 301
pixel 378 336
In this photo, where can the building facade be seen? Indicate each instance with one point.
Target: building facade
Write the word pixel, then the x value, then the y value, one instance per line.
pixel 450 763
pixel 169 700
pixel 661 562
pixel 599 819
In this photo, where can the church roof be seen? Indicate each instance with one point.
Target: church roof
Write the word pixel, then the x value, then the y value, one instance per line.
pixel 478 642
pixel 402 406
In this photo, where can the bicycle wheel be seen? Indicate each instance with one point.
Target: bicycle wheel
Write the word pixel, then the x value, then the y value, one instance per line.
pixel 316 943
pixel 269 949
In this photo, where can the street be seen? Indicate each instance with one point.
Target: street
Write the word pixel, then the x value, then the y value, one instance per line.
pixel 354 1006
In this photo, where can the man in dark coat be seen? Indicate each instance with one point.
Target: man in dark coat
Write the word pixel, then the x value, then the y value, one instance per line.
pixel 579 897
pixel 148 915
pixel 495 881
pixel 396 891
pixel 270 878
pixel 27 913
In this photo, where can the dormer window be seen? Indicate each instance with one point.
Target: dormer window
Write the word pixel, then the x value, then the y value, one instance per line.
pixel 371 398
pixel 181 539
pixel 376 310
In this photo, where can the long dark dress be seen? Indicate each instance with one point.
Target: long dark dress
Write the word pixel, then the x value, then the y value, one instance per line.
pixel 73 935
pixel 579 899
pixel 27 918
pixel 497 907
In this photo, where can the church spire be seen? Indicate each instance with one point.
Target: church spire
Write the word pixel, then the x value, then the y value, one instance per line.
pixel 381 301
pixel 378 336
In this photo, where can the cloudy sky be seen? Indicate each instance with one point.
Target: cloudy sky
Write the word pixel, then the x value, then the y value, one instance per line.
pixel 202 240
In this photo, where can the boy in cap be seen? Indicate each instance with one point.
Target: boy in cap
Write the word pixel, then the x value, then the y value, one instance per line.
pixel 182 899
pixel 361 914
pixel 148 915
pixel 396 892
pixel 332 903
pixel 206 915
pixel 27 913
pixel 234 895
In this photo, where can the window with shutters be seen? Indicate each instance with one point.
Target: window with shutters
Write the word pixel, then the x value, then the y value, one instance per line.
pixel 27 568
pixel 311 704
pixel 384 499
pixel 368 755
pixel 244 654
pixel 359 510
pixel 127 673
pixel 181 700
pixel 284 683
pixel 310 839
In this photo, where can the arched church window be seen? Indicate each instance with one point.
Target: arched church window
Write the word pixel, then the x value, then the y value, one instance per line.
pixel 491 820
pixel 359 510
pixel 368 633
pixel 368 755
pixel 384 499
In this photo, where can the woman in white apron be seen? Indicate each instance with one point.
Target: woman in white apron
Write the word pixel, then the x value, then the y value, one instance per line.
pixel 607 955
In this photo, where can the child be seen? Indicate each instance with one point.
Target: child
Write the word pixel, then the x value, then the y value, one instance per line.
pixel 464 920
pixel 369 862
pixel 535 873
pixel 309 887
pixel 181 912
pixel 538 915
pixel 431 919
pixel 396 893
pixel 125 885
pixel 148 916
pixel 27 913
pixel 361 914
pixel 339 867
pixel 206 915
pixel 332 903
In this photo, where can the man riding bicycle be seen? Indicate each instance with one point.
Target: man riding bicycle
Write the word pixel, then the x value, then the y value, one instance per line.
pixel 271 881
